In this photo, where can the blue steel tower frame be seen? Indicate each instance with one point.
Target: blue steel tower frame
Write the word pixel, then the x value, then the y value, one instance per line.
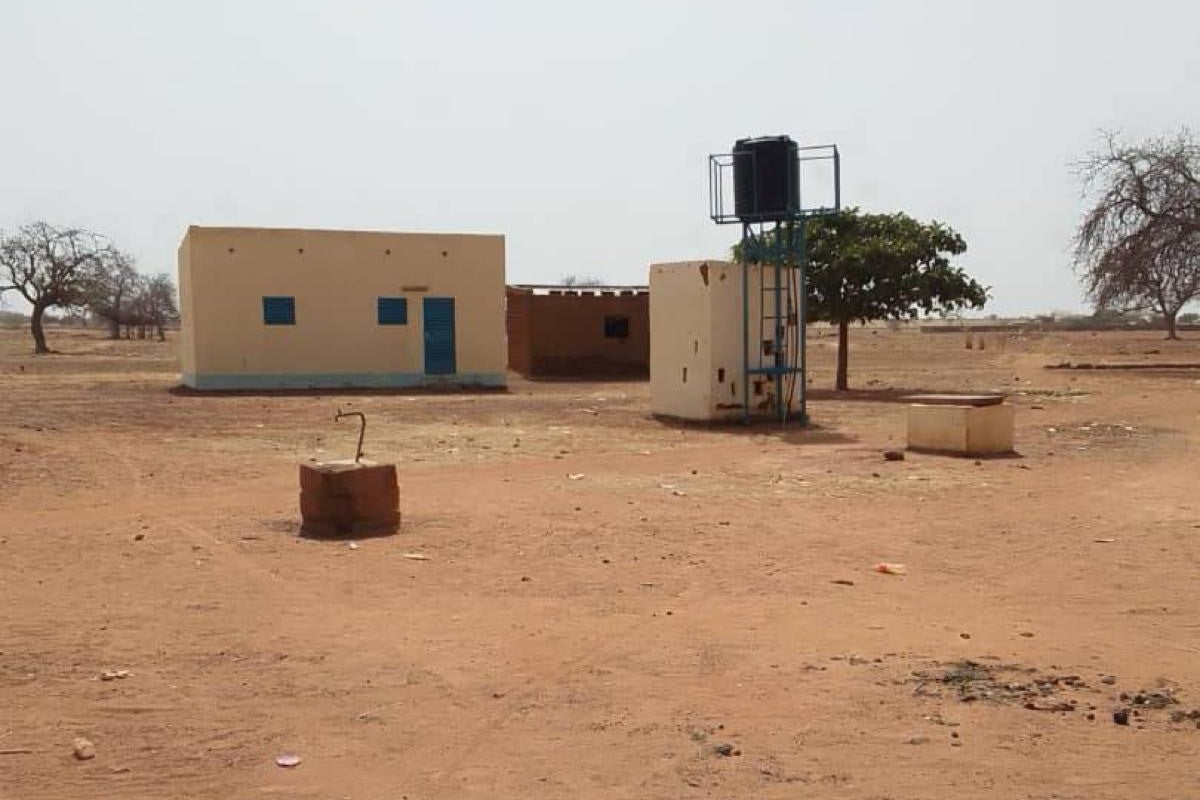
pixel 776 243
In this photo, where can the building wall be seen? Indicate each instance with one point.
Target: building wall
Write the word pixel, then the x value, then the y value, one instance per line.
pixel 696 322
pixel 518 326
pixel 187 340
pixel 681 339
pixel 563 334
pixel 336 278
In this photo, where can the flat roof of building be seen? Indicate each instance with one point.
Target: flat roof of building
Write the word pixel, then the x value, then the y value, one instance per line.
pixel 558 289
pixel 257 229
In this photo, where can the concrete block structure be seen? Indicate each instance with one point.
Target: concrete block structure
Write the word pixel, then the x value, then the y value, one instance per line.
pixel 267 308
pixel 696 341
pixel 968 425
pixel 579 331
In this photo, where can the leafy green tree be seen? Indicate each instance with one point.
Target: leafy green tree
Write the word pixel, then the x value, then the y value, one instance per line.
pixel 865 267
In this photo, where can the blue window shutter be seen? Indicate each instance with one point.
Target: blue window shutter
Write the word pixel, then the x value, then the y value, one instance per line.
pixel 279 310
pixel 392 310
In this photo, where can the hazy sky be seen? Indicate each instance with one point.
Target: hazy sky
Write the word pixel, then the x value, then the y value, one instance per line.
pixel 578 130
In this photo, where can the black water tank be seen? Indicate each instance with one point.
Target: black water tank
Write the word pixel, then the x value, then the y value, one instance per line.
pixel 766 179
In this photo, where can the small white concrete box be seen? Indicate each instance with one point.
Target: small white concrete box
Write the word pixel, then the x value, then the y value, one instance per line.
pixel 969 425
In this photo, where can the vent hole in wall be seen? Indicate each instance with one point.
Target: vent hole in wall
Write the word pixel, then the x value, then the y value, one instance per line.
pixel 720 375
pixel 733 388
pixel 695 346
pixel 685 374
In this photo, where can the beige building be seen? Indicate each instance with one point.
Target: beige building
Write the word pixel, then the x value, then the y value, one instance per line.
pixel 266 308
pixel 697 341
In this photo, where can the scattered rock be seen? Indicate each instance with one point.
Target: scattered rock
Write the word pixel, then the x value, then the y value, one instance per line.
pixel 964 635
pixel 1121 716
pixel 115 674
pixel 353 545
pixel 1027 634
pixel 1091 716
pixel 415 556
pixel 287 760
pixel 1155 698
pixel 84 749
pixel 137 537
pixel 918 740
pixel 725 750
pixel 1186 716
pixel 893 455
pixel 1052 706
pixel 525 579
pixel 843 582
pixel 1109 680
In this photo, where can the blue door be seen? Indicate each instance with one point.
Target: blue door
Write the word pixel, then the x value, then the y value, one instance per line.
pixel 439 336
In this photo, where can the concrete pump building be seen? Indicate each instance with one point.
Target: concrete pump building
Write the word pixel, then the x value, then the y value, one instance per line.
pixel 266 308
pixel 698 346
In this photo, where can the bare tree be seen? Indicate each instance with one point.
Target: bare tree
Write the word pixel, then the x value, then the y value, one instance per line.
pixel 112 288
pixel 582 280
pixel 1139 246
pixel 158 307
pixel 49 267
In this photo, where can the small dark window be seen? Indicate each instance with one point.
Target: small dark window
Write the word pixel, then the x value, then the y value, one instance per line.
pixel 616 327
pixel 279 310
pixel 392 310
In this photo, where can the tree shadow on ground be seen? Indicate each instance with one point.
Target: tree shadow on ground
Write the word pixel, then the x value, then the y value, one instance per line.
pixel 792 432
pixel 885 395
pixel 616 377
pixel 345 391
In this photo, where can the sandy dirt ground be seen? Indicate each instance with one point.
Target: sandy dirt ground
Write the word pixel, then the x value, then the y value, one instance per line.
pixel 696 616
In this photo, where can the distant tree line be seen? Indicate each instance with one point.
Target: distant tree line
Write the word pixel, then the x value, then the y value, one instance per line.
pixel 76 270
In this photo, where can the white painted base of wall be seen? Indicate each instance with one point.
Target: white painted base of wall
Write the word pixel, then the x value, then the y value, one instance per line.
pixel 397 380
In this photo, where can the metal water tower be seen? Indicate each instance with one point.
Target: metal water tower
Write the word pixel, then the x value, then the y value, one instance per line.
pixel 768 202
